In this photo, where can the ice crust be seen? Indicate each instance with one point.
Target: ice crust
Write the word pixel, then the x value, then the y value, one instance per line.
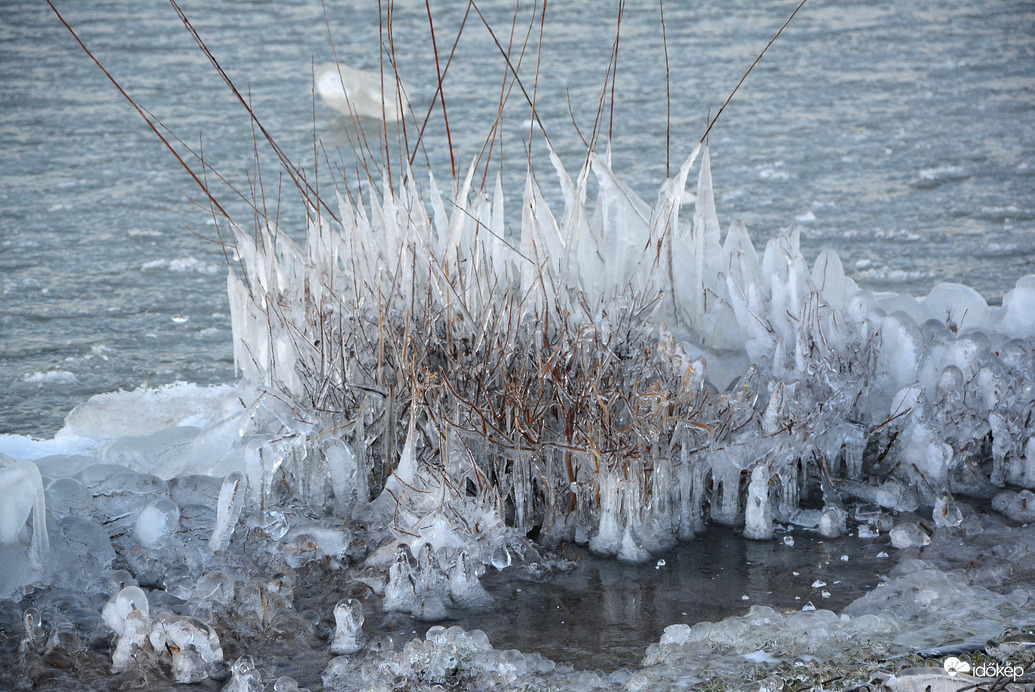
pixel 420 394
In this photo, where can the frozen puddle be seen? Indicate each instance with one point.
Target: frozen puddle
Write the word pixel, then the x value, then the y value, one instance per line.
pixel 598 613
pixel 718 607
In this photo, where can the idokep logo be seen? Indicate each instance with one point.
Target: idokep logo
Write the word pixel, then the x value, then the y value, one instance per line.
pixel 953 665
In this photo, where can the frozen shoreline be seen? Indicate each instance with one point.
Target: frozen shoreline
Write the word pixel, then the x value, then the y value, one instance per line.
pixel 971 583
pixel 201 516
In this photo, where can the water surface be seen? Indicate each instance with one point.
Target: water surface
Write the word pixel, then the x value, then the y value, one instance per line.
pixel 901 134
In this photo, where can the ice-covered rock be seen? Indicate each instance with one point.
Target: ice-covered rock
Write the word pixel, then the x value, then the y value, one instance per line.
pixel 908 535
pixel 813 633
pixel 135 628
pixel 244 677
pixel 946 514
pixel 894 495
pixel 832 522
pixel 128 600
pixel 214 587
pixel 286 683
pixel 192 646
pixel 445 656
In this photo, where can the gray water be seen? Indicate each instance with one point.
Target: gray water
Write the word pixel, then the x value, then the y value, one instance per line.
pixel 906 129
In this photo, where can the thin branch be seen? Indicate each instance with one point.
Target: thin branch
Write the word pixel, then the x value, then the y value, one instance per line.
pixel 757 59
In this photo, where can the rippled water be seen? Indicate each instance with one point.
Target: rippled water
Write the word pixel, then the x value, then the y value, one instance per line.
pixel 900 134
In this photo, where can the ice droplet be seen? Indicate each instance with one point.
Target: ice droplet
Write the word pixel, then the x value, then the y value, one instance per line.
pixel 501 558
pixel 156 521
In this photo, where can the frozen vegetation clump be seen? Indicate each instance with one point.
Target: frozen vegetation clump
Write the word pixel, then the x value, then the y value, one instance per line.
pixel 424 398
pixel 615 376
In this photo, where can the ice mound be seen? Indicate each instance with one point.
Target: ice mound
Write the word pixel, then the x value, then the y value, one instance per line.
pixel 450 657
pixel 145 410
pixel 879 636
pixel 766 636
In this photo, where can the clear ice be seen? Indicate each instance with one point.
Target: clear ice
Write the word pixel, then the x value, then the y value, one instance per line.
pixel 348 627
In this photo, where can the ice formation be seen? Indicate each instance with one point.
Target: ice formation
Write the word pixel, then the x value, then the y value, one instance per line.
pixel 423 395
pixel 228 510
pixel 348 627
pixel 22 488
pixel 615 376
pixel 361 93
pixel 23 499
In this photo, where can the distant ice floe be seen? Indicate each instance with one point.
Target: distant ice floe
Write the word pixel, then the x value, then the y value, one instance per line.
pixel 930 178
pixel 50 377
pixel 190 265
pixel 144 233
pixel 362 93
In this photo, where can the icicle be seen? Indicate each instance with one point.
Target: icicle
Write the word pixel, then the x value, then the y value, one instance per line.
pixel 726 490
pixel 21 488
pixel 789 497
pixel 400 595
pixel 228 509
pixel 347 479
pixel 758 515
pixel 608 538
